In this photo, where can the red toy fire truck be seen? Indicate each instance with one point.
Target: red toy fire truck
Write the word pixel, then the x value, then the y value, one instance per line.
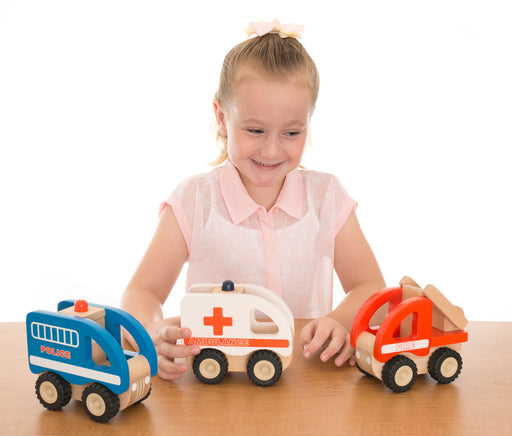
pixel 422 332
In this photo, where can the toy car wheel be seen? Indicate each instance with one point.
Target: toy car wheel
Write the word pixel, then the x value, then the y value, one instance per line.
pixel 100 402
pixel 399 373
pixel 210 366
pixel 445 365
pixel 52 390
pixel 264 368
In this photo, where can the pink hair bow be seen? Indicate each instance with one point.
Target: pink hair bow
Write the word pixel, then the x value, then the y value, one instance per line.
pixel 261 28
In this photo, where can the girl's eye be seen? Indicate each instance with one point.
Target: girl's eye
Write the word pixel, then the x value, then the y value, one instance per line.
pixel 292 134
pixel 255 131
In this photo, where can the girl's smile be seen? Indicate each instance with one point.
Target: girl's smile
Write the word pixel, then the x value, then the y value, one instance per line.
pixel 266 167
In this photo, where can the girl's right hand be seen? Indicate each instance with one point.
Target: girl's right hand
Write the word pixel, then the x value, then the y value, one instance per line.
pixel 164 334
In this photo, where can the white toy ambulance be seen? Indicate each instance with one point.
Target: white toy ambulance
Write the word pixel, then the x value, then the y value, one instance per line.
pixel 238 328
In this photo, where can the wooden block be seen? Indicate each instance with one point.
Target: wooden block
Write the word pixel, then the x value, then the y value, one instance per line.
pixel 453 313
pixel 94 313
pixel 406 280
pixel 441 322
pixel 409 289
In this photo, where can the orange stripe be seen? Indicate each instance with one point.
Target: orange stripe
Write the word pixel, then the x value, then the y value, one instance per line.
pixel 269 343
pixel 238 342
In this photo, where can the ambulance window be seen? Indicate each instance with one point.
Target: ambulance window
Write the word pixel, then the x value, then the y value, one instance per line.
pixel 262 323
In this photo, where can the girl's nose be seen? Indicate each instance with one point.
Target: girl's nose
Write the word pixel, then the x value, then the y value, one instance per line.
pixel 270 148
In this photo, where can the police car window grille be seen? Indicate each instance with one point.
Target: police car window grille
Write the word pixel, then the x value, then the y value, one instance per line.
pixel 57 335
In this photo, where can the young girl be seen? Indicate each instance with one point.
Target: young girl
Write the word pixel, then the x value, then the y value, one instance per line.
pixel 257 218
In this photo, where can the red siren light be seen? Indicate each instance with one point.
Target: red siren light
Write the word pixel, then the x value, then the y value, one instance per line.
pixel 81 306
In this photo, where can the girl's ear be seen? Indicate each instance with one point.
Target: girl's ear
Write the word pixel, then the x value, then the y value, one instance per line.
pixel 220 116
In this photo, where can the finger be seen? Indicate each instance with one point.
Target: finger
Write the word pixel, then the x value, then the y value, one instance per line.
pixel 306 335
pixel 352 360
pixel 321 335
pixel 345 354
pixel 168 370
pixel 170 350
pixel 175 321
pixel 172 334
pixel 334 347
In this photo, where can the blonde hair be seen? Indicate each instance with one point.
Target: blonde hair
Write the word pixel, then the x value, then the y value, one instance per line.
pixel 276 56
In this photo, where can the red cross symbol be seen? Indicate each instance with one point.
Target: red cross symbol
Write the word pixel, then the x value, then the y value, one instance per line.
pixel 217 321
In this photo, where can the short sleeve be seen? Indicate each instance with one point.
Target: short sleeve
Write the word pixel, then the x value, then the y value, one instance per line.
pixel 182 201
pixel 344 204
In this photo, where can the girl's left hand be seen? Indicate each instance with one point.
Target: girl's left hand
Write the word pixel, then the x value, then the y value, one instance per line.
pixel 330 332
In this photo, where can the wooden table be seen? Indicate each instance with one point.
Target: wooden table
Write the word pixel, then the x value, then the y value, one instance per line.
pixel 311 398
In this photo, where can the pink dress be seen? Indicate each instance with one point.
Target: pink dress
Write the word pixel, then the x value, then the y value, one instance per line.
pixel 289 249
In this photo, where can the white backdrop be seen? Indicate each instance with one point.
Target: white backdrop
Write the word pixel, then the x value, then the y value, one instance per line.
pixel 106 105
